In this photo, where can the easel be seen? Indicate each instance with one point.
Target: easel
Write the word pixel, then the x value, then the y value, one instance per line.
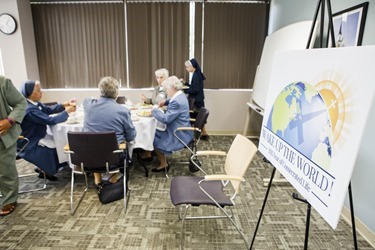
pixel 320 6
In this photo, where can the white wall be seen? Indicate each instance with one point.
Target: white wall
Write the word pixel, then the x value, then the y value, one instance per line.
pixel 18 49
pixel 363 184
pixel 227 107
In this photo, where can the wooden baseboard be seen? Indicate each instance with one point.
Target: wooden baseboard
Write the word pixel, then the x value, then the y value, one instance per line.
pixel 362 229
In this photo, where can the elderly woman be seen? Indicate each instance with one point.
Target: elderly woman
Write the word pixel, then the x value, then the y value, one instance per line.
pixel 159 92
pixel 41 150
pixel 159 97
pixel 176 115
pixel 105 114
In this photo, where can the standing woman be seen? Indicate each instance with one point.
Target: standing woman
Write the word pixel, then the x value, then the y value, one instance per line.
pixel 195 89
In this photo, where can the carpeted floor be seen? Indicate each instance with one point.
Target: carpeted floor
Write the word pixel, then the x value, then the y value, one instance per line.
pixel 43 221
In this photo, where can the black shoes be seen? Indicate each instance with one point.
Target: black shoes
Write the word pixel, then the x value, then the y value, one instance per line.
pixel 156 170
pixel 98 186
pixel 205 137
pixel 48 176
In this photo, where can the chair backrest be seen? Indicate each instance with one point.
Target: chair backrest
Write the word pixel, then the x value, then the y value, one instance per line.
pixel 191 101
pixel 50 103
pixel 121 99
pixel 239 157
pixel 201 119
pixel 93 149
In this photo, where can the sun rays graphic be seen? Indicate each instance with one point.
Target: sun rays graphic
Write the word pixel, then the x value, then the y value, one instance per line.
pixel 336 94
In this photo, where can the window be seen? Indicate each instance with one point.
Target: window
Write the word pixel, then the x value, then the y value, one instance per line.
pixel 77 44
pixel 158 37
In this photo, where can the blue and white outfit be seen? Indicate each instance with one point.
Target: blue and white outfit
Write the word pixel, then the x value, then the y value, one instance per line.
pixel 177 115
pixel 34 127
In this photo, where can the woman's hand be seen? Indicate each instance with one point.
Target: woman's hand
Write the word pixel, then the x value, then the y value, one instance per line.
pixel 4 126
pixel 143 97
pixel 66 104
pixel 70 109
pixel 161 103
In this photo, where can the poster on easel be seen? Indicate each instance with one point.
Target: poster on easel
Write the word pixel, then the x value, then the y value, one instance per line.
pixel 317 107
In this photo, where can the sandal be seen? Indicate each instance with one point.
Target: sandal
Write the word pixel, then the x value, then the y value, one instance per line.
pixel 8 209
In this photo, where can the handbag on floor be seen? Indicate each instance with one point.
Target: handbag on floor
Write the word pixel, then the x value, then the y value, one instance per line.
pixel 109 192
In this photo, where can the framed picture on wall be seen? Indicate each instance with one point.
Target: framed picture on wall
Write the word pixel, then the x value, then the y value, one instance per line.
pixel 348 26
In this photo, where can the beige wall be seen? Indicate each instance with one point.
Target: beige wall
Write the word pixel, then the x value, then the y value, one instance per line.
pixel 227 108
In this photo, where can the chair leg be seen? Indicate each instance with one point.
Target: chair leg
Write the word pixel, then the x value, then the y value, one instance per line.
pixel 126 188
pixel 72 208
pixel 34 189
pixel 166 173
pixel 141 162
pixel 182 215
pixel 231 218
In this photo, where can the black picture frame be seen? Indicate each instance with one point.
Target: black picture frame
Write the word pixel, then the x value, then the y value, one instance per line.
pixel 348 26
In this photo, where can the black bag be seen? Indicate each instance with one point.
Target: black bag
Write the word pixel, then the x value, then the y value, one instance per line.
pixel 110 192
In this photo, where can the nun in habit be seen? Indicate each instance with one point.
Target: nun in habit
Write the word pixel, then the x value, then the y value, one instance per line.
pixel 41 150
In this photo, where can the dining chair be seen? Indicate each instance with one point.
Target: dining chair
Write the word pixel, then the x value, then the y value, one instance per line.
pixel 191 101
pixel 50 103
pixel 197 126
pixel 218 190
pixel 22 144
pixel 121 100
pixel 95 152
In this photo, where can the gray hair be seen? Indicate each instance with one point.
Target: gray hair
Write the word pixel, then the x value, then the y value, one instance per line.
pixel 109 87
pixel 162 72
pixel 188 63
pixel 172 82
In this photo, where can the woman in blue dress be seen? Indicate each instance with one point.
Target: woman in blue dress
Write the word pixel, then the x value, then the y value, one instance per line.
pixel 177 115
pixel 41 150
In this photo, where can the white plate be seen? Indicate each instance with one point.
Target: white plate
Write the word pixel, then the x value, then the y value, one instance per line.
pixel 144 113
pixel 147 106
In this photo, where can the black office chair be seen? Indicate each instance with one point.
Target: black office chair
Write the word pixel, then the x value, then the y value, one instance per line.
pixel 191 101
pixel 192 145
pixel 213 190
pixel 95 152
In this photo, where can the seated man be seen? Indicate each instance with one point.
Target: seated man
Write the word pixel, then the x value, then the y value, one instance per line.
pixel 41 151
pixel 105 114
pixel 176 115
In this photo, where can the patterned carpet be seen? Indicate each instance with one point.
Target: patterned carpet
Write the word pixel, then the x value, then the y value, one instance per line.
pixel 43 221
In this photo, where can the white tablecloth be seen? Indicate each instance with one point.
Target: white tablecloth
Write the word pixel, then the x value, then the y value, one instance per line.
pixel 145 127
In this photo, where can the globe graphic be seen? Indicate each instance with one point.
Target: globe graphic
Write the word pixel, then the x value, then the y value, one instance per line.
pixel 300 117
